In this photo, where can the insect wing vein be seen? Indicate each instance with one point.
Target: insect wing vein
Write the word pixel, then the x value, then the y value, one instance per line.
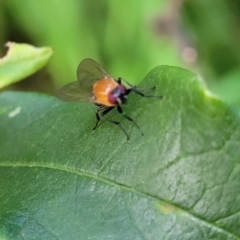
pixel 89 72
pixel 73 92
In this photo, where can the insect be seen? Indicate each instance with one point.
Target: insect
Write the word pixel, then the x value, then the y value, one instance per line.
pixel 96 85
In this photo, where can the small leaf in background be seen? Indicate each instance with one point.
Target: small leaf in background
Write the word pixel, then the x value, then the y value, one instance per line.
pixel 21 61
pixel 60 180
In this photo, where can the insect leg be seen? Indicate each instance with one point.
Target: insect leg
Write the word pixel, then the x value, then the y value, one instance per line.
pixel 98 119
pixel 100 113
pixel 129 119
pixel 118 124
pixel 128 83
pixel 145 95
pixel 146 89
pixel 139 90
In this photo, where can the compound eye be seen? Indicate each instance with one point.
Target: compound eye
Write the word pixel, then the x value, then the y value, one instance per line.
pixel 112 98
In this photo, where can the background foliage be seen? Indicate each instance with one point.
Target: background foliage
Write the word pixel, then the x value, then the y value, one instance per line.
pixel 129 38
pixel 181 180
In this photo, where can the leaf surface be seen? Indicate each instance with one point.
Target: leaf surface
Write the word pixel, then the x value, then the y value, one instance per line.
pixel 60 180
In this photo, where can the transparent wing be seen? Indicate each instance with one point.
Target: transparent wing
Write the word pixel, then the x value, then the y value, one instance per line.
pixel 89 72
pixel 73 92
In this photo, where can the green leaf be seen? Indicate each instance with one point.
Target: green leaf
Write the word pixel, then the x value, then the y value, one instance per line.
pixel 21 61
pixel 60 180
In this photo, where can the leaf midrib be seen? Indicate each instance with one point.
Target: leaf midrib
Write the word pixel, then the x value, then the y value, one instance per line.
pixel 124 187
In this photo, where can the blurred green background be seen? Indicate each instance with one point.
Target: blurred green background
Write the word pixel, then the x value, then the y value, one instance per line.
pixel 128 38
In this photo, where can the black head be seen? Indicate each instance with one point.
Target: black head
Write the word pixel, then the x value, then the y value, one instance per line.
pixel 119 95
